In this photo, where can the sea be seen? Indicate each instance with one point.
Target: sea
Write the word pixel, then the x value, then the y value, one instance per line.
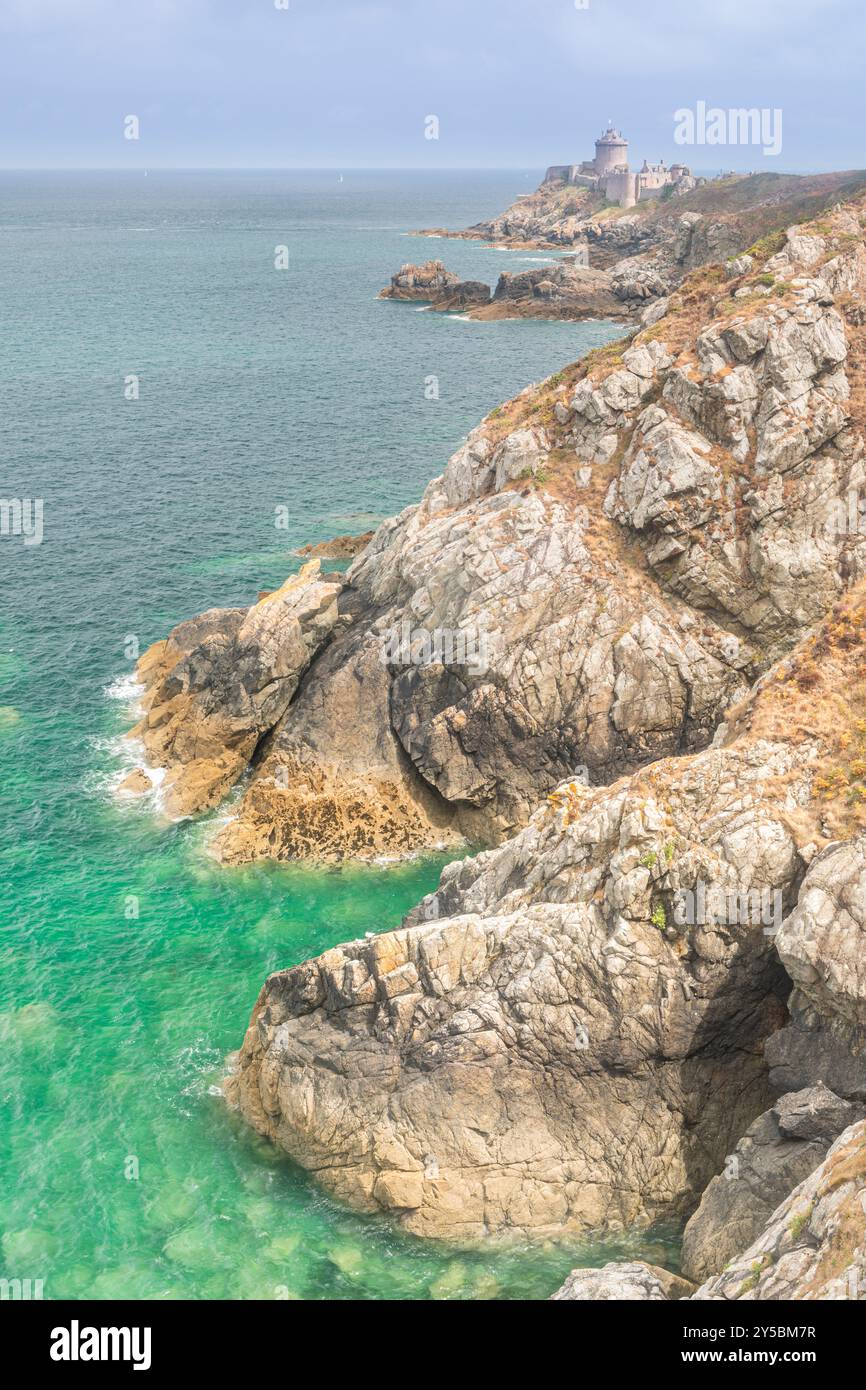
pixel 197 378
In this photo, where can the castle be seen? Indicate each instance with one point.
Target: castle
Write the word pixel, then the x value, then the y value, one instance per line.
pixel 609 173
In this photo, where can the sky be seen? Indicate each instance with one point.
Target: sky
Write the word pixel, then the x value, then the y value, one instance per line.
pixel 332 84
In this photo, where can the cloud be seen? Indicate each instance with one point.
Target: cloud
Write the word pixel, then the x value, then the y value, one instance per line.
pixel 524 82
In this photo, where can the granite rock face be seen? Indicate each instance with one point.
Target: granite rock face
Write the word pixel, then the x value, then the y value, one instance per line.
pixel 541 1048
pixel 705 474
pixel 606 563
pixel 334 780
pixel 778 1151
pixel 814 1244
pixel 220 682
pixel 569 1034
pixel 821 946
pixel 628 1282
pixel 623 638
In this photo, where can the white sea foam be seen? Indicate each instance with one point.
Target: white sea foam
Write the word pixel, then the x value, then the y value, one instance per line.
pixel 127 754
pixel 125 688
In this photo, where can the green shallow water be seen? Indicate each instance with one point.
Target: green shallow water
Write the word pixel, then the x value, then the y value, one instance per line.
pixel 129 962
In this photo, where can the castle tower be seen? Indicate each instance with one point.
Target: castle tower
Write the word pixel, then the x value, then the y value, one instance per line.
pixel 611 150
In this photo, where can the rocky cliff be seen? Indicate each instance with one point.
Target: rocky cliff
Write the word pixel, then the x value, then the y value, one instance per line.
pixel 549 1044
pixel 622 640
pixel 606 563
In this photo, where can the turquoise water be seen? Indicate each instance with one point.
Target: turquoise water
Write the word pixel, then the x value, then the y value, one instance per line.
pixel 129 962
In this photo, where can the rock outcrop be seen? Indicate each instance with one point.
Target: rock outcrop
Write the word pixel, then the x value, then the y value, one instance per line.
pixel 568 1035
pixel 560 290
pixel 432 284
pixel 218 683
pixel 814 1244
pixel 707 468
pixel 777 1152
pixel 338 548
pixel 136 783
pixel 633 1282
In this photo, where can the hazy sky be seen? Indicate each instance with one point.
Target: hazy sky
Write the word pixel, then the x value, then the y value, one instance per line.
pixel 328 82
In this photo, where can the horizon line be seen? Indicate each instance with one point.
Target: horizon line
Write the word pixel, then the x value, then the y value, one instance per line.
pixel 344 169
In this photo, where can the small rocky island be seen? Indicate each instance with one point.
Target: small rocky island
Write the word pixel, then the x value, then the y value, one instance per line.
pixel 432 284
pixel 659 552
pixel 561 290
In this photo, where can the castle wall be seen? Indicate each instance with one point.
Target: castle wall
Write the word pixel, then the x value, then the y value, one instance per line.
pixel 609 172
pixel 621 187
pixel 651 184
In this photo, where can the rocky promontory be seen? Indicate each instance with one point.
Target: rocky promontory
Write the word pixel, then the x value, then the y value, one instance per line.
pixel 607 562
pixel 621 640
pixel 220 682
pixel 640 255
pixel 561 290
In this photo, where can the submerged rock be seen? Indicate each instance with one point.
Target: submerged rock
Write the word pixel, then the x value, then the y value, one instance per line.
pixel 340 548
pixel 136 783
